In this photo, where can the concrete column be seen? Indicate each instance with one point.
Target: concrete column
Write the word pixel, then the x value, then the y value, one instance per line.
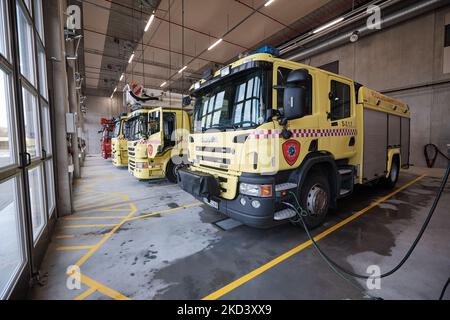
pixel 55 46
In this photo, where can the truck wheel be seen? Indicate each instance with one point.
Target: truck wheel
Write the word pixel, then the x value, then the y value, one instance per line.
pixel 391 181
pixel 314 197
pixel 171 172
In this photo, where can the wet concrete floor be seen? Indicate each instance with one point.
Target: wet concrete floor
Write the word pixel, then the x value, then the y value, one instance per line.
pixel 150 240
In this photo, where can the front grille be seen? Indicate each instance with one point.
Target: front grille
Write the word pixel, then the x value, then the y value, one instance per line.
pixel 131 164
pixel 215 150
pixel 214 159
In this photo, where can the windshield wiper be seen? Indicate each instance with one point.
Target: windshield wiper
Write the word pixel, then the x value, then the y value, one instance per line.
pixel 223 127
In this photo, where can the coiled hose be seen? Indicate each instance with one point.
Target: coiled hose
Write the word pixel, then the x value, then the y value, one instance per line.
pixel 339 269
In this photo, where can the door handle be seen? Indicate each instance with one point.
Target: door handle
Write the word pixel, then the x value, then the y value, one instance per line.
pixel 44 154
pixel 28 159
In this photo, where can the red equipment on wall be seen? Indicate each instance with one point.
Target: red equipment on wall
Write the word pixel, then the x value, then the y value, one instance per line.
pixel 107 132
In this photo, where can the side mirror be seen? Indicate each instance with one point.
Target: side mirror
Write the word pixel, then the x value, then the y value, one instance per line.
pixel 187 101
pixel 295 94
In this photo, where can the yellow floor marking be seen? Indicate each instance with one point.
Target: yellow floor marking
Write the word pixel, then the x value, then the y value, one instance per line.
pixel 73 236
pixel 94 218
pixel 90 198
pixel 150 188
pixel 85 294
pixel 70 248
pixel 100 210
pixel 102 288
pixel 249 276
pixel 84 258
pixel 80 226
pixel 98 205
pixel 165 211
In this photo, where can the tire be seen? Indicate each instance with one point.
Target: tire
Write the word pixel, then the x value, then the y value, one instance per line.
pixel 314 196
pixel 171 172
pixel 392 179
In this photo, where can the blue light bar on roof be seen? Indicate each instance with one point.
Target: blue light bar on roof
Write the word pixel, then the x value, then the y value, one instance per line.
pixel 268 49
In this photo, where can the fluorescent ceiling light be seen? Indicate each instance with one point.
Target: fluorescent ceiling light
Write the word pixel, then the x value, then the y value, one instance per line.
pixel 332 23
pixel 150 20
pixel 268 3
pixel 163 84
pixel 182 69
pixel 121 77
pixel 131 58
pixel 215 44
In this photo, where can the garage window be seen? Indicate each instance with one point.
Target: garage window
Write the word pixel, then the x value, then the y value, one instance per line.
pixel 26 45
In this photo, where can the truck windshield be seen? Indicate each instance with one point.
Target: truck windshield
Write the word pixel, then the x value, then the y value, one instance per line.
pixel 234 103
pixel 154 120
pixel 109 133
pixel 116 132
pixel 133 129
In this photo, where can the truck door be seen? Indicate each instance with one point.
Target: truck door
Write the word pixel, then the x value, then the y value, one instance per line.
pixel 341 118
pixel 155 142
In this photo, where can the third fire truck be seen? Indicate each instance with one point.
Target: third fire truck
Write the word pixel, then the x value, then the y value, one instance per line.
pixel 157 135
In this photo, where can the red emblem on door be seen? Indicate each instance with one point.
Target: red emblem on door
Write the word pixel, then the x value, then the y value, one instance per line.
pixel 150 149
pixel 291 151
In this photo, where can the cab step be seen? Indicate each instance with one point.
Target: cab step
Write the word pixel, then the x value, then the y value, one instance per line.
pixel 346 180
pixel 284 214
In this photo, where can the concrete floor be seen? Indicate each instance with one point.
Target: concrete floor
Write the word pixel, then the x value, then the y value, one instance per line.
pixel 174 250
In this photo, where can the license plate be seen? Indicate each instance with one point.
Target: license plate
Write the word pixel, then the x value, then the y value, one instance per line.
pixel 211 203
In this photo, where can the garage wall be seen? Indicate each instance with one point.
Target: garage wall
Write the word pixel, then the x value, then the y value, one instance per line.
pixel 97 108
pixel 407 62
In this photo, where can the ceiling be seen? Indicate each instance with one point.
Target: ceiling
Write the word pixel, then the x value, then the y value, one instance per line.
pixel 114 29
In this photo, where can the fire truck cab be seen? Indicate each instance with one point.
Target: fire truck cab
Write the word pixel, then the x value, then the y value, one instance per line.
pixel 157 137
pixel 107 133
pixel 268 130
pixel 119 142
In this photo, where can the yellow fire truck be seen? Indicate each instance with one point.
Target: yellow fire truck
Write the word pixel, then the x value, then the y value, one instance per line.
pixel 119 142
pixel 155 146
pixel 268 130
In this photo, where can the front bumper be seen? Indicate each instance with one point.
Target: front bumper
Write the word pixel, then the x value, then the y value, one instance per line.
pixel 204 187
pixel 120 158
pixel 151 172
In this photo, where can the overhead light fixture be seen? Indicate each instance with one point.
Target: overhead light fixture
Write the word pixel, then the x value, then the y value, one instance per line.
pixel 115 89
pixel 131 58
pixel 268 3
pixel 121 77
pixel 163 84
pixel 149 22
pixel 326 26
pixel 215 44
pixel 182 69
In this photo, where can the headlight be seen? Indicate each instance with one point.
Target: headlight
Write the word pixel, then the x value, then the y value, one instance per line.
pixel 142 165
pixel 256 190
